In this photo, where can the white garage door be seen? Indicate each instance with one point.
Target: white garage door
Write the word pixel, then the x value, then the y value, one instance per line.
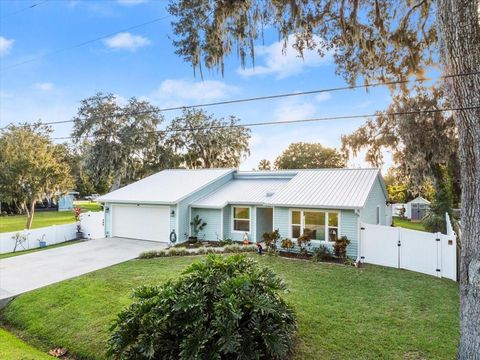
pixel 141 222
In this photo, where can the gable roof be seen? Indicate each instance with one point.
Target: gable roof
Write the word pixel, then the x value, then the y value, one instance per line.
pixel 165 187
pixel 328 188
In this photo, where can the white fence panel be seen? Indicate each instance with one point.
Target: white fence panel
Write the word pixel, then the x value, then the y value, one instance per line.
pixel 51 234
pixel 380 245
pixel 428 253
pixel 419 251
pixel 92 224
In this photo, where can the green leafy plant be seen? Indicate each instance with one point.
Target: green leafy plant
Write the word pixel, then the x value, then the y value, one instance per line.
pixel 197 225
pixel 287 244
pixel 322 253
pixel 220 308
pixel 270 239
pixel 340 247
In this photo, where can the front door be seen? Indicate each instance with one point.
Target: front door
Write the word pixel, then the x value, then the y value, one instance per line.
pixel 264 222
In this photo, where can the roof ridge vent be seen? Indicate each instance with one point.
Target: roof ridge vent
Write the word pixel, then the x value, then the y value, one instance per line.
pixel 269 193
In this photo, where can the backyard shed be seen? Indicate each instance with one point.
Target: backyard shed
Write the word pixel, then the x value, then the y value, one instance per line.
pixel 325 203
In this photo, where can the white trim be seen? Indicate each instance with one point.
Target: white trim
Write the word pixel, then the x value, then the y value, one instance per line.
pixel 221 225
pixel 233 220
pixel 189 221
pixel 177 221
pixel 302 223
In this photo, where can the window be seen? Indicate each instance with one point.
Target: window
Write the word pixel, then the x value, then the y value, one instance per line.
pixel 241 219
pixel 319 225
pixel 314 224
pixel 332 226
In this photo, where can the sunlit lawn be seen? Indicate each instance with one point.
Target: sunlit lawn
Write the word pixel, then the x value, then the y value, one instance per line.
pixel 343 312
pixel 408 224
pixel 45 218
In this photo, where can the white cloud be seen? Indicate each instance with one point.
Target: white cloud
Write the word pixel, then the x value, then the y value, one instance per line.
pixel 131 2
pixel 126 41
pixel 294 109
pixel 177 91
pixel 46 86
pixel 282 65
pixel 325 96
pixel 5 45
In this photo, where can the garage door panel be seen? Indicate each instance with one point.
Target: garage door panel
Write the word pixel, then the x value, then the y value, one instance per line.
pixel 141 222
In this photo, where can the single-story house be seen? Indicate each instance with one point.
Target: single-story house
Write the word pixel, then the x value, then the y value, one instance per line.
pixel 326 203
pixel 415 209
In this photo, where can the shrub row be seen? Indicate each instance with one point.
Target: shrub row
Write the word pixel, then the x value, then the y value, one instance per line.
pixel 181 251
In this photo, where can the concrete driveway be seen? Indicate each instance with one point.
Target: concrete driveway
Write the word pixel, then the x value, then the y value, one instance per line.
pixel 27 272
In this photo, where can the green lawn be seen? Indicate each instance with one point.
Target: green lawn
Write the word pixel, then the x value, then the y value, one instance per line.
pixel 343 312
pixel 45 218
pixel 407 224
pixel 12 348
pixel 7 255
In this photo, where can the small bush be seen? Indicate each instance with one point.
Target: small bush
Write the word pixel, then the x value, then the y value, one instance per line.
pixel 180 251
pixel 303 243
pixel 340 247
pixel 270 239
pixel 322 253
pixel 235 248
pixel 287 244
pixel 221 308
pixel 148 254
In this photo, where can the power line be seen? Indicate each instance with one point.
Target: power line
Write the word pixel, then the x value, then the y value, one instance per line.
pixel 23 9
pixel 286 122
pixel 267 97
pixel 86 42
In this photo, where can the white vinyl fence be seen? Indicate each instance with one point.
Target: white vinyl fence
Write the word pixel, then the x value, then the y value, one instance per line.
pixel 429 253
pixel 91 224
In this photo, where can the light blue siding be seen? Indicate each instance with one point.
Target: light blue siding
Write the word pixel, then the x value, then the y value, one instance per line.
pixel 281 221
pixel 376 197
pixel 227 224
pixel 213 218
pixel 183 209
pixel 349 228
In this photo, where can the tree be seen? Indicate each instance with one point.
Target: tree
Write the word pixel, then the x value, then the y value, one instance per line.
pixel 120 143
pixel 374 40
pixel 309 156
pixel 33 168
pixel 420 156
pixel 202 141
pixel 264 164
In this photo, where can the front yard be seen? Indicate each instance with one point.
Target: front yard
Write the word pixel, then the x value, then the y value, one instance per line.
pixel 45 218
pixel 343 312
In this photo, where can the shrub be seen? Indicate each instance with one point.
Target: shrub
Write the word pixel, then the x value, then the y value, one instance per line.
pixel 76 213
pixel 303 243
pixel 148 254
pixel 287 244
pixel 220 308
pixel 322 253
pixel 270 239
pixel 340 247
pixel 235 248
pixel 197 225
pixel 180 251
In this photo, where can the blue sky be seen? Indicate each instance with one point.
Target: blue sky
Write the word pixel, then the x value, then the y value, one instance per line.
pixel 142 63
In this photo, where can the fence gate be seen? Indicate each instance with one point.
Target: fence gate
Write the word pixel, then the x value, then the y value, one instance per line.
pixel 428 253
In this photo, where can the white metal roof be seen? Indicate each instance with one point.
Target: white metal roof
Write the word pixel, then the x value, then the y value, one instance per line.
pixel 328 188
pixel 165 187
pixel 242 191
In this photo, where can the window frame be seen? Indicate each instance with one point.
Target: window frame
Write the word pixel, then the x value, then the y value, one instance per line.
pixel 249 219
pixel 327 226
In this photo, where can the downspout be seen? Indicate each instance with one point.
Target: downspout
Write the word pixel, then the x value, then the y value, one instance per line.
pixel 360 238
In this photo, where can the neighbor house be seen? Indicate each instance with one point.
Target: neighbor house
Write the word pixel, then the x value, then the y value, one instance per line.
pixel 415 209
pixel 326 203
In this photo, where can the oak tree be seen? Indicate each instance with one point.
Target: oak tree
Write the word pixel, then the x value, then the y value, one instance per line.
pixel 389 40
pixel 303 155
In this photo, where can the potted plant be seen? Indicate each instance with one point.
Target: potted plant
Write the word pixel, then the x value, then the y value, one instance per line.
pixel 197 225
pixel 42 242
pixel 80 234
